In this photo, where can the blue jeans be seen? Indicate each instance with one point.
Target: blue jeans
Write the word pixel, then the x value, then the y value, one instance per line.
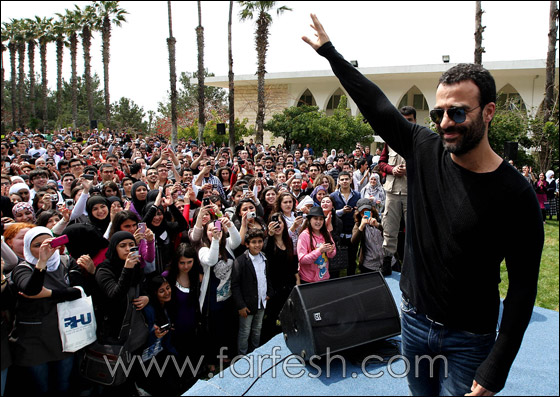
pixel 55 372
pixel 250 332
pixel 4 377
pixel 442 361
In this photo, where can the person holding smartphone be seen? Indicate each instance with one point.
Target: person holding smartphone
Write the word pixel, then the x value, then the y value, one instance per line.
pixel 42 281
pixel 368 234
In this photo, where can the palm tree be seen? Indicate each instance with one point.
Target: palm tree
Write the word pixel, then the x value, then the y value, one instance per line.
pixel 551 61
pixel 478 49
pixel 260 11
pixel 59 30
pixel 231 85
pixel 44 27
pixel 172 77
pixel 9 30
pixel 89 18
pixel 31 36
pixel 19 32
pixel 108 13
pixel 73 25
pixel 200 45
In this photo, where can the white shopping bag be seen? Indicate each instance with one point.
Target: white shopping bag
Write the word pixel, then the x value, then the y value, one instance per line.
pixel 76 323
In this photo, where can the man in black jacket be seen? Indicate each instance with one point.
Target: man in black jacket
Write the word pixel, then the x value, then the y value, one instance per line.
pixel 454 242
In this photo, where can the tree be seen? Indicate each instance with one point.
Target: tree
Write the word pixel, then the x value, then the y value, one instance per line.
pixel 89 23
pixel 200 46
pixel 172 78
pixel 59 30
pixel 4 38
pixel 31 34
pixel 260 11
pixel 231 85
pixel 108 13
pixel 478 49
pixel 306 124
pixel 46 36
pixel 187 95
pixel 19 36
pixel 551 60
pixel 9 32
pixel 128 115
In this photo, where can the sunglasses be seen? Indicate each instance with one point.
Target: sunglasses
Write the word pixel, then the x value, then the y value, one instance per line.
pixel 457 114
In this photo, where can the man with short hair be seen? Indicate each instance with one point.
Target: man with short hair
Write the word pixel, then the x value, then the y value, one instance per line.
pixel 344 202
pixel 66 182
pixel 455 244
pixel 76 167
pixel 360 177
pixel 337 167
pixel 39 178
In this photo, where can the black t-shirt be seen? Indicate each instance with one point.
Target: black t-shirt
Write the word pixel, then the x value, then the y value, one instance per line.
pixel 460 226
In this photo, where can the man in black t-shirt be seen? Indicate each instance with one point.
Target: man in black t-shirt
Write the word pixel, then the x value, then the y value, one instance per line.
pixel 454 242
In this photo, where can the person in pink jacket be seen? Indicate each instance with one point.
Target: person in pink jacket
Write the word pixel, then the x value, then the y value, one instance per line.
pixel 315 246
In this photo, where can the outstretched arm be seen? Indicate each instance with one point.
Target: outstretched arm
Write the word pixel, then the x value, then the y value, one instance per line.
pixel 376 108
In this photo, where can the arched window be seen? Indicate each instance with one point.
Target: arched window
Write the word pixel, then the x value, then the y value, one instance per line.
pixel 333 102
pixel 510 97
pixel 307 99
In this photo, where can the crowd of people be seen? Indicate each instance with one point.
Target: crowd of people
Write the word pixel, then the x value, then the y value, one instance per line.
pixel 211 241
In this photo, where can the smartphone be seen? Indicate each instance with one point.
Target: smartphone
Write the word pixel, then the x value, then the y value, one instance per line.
pixel 367 214
pixel 134 251
pixel 57 242
pixel 165 327
pixel 259 174
pixel 89 177
pixel 69 203
pixel 274 218
pixel 218 226
pixel 299 213
pixel 245 191
pixel 205 201
pixel 142 227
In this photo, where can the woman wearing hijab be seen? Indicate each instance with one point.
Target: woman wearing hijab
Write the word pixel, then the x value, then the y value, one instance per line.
pixel 164 230
pixel 23 212
pixel 375 192
pixel 115 276
pixel 43 280
pixel 318 194
pixel 97 208
pixel 23 190
pixel 139 195
pixel 551 194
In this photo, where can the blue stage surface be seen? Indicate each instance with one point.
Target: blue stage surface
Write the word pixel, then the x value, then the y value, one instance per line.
pixel 534 372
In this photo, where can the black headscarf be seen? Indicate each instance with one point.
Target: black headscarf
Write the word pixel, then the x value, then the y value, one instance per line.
pixel 138 204
pixel 84 239
pixel 112 199
pixel 100 224
pixel 112 257
pixel 152 195
pixel 158 231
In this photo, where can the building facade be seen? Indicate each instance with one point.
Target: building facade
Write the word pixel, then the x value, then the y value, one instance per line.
pixel 519 81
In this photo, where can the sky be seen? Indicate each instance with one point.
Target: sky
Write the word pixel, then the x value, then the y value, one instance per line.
pixel 374 33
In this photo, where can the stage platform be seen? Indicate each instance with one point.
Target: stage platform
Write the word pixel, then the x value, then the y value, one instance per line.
pixel 535 370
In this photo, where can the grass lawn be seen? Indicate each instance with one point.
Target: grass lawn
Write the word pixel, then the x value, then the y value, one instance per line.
pixel 547 294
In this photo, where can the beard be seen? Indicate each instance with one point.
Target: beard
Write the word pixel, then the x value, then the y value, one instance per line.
pixel 469 136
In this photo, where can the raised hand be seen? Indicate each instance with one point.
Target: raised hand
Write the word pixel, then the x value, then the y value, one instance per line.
pixel 320 33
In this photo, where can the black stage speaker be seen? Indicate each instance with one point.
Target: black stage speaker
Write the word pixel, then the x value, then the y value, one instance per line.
pixel 339 314
pixel 510 150
pixel 92 124
pixel 221 128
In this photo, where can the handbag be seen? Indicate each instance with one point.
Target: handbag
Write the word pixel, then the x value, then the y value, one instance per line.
pixel 340 260
pixel 76 323
pixel 111 364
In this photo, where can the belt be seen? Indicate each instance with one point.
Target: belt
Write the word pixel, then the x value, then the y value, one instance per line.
pixel 422 314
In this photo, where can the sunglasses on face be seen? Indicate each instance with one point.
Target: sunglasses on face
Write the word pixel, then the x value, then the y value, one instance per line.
pixel 457 114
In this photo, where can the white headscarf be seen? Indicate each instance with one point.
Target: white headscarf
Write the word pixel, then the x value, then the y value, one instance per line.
pixel 54 260
pixel 549 176
pixel 18 186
